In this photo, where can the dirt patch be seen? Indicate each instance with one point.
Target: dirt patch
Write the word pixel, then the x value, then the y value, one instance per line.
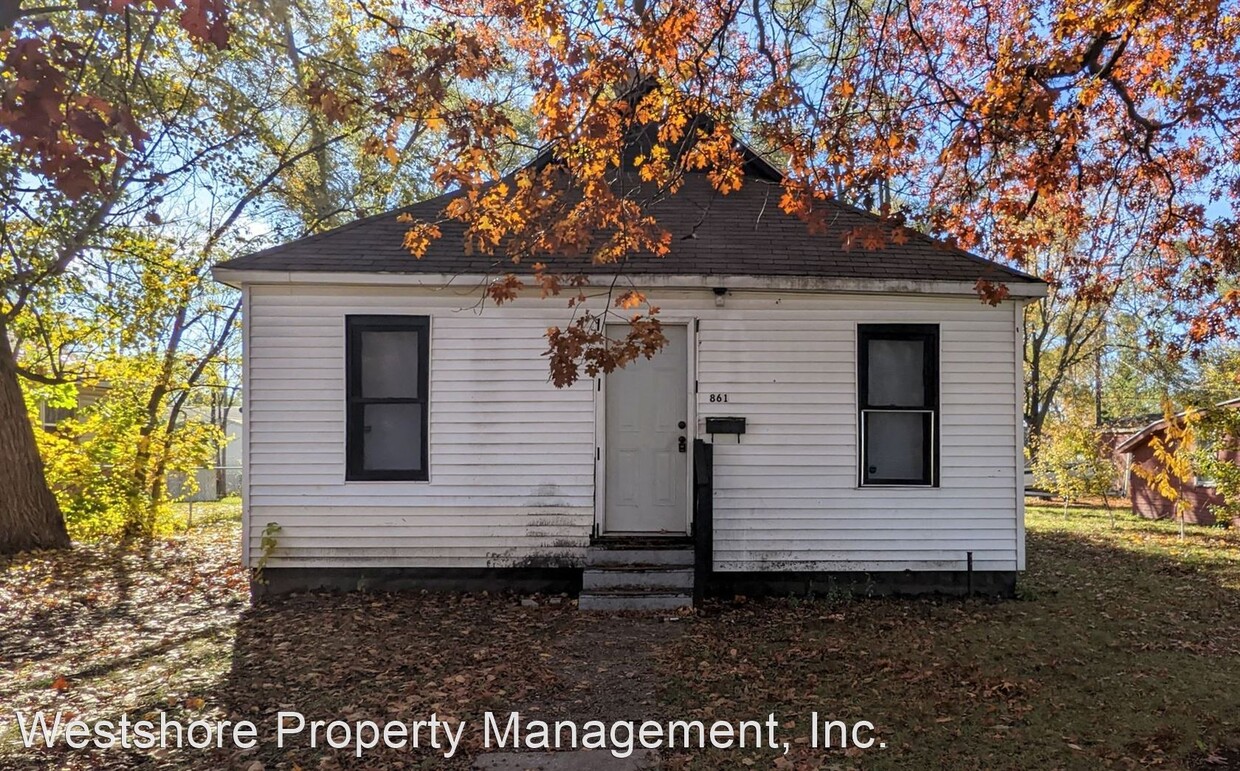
pixel 604 668
pixel 1222 759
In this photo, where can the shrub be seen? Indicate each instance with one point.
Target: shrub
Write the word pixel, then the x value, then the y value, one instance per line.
pixel 1072 461
pixel 105 486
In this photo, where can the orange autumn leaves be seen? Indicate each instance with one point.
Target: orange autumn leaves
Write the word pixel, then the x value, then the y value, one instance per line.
pixel 49 115
pixel 584 349
pixel 1009 127
pixel 1006 126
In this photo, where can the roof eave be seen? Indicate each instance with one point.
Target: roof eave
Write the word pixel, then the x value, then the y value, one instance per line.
pixel 1021 291
pixel 1130 444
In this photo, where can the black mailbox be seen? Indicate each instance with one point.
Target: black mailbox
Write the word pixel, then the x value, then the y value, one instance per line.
pixel 725 425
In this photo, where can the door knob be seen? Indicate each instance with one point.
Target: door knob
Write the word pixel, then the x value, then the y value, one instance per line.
pixel 683 442
pixel 681 425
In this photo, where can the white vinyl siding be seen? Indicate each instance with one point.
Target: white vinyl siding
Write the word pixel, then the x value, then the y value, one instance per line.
pixel 787 495
pixel 512 458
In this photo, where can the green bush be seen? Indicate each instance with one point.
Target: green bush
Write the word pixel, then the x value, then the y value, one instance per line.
pixel 105 486
pixel 1072 462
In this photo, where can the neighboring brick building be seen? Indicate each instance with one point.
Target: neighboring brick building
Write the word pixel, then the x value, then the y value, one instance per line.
pixel 1201 494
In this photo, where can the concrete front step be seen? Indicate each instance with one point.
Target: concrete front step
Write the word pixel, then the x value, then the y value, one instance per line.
pixel 639 577
pixel 613 599
pixel 611 557
pixel 669 579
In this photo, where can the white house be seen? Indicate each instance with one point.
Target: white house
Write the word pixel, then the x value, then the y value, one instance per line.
pixel 223 477
pixel 401 433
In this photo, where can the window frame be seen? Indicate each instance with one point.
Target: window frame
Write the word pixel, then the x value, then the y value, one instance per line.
pixel 355 404
pixel 928 335
pixel 51 417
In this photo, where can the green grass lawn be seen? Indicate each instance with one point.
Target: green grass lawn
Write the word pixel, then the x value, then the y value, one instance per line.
pixel 187 516
pixel 1122 652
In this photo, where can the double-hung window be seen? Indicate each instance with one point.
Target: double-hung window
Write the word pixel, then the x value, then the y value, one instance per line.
pixel 898 378
pixel 386 390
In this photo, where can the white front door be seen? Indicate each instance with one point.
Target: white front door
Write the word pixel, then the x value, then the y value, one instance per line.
pixel 647 441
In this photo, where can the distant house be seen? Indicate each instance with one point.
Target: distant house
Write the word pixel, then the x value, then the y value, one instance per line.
pixel 862 409
pixel 1199 494
pixel 1113 433
pixel 223 477
pixel 50 417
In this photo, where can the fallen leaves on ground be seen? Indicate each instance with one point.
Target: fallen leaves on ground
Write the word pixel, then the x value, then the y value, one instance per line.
pixel 105 629
pixel 1123 652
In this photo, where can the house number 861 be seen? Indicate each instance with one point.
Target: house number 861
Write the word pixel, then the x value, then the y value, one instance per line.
pixel 718 398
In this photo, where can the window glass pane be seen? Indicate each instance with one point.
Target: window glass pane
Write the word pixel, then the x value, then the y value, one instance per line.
pixel 897 373
pixel 392 437
pixel 53 416
pixel 895 446
pixel 389 364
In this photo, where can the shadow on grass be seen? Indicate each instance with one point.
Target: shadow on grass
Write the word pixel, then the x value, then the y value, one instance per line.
pixel 90 609
pixel 103 630
pixel 382 657
pixel 1120 657
pixel 80 590
pixel 1125 653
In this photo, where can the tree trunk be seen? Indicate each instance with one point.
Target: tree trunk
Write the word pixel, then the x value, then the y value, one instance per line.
pixel 1098 411
pixel 30 518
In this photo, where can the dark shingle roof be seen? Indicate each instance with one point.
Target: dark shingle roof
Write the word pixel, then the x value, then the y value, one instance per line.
pixel 1130 444
pixel 744 233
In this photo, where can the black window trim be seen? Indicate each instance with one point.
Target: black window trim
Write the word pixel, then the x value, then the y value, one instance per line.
pixel 355 326
pixel 929 335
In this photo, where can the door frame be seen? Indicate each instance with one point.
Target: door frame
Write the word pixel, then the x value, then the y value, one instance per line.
pixel 600 435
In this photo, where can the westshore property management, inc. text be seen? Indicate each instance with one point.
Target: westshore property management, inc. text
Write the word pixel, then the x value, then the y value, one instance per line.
pixel 499 731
